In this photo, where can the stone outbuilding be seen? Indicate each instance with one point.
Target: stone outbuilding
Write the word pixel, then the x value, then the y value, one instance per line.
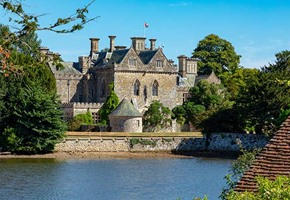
pixel 126 118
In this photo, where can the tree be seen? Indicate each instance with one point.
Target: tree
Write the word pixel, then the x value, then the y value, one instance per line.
pixel 156 117
pixel 235 82
pixel 216 54
pixel 112 101
pixel 30 118
pixel 33 120
pixel 206 100
pixel 261 101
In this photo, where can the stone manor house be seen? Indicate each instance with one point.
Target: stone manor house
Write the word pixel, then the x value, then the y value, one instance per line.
pixel 139 74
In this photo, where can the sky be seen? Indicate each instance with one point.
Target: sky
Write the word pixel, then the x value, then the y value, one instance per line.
pixel 258 29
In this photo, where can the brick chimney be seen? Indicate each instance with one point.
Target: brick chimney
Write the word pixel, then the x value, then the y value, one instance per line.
pixel 112 43
pixel 94 45
pixel 152 44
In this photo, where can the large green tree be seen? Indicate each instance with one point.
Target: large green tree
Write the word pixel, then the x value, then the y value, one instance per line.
pixel 260 103
pixel 216 54
pixel 30 118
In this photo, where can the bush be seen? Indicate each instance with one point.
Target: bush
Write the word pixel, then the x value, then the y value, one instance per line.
pixel 75 123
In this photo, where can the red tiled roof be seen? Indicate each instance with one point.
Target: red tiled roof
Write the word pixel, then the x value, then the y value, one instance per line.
pixel 274 160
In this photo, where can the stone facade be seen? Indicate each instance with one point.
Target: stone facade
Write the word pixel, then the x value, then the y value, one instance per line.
pixel 139 74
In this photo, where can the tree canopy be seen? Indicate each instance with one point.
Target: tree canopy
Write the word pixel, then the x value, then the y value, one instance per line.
pixel 216 54
pixel 30 117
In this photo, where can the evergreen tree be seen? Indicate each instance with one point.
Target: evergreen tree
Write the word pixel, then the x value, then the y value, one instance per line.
pixel 112 101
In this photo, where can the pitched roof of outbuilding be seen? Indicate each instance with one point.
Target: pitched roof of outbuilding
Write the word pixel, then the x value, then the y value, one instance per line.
pixel 125 109
pixel 274 160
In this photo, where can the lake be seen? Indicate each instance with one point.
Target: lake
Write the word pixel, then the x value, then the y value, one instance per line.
pixel 110 179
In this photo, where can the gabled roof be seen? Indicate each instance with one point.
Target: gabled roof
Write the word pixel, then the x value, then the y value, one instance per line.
pixel 118 55
pixel 274 160
pixel 125 109
pixel 146 56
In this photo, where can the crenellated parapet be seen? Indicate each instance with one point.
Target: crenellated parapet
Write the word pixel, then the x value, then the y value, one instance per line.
pixel 85 105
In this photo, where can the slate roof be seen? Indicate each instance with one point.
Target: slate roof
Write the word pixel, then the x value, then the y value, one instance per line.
pixel 125 109
pixel 69 68
pixel 147 55
pixel 118 55
pixel 274 160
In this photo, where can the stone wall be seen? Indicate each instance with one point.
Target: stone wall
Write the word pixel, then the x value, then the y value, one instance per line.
pixel 217 142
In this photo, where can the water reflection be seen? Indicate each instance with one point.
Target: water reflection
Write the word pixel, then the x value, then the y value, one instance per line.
pixel 112 179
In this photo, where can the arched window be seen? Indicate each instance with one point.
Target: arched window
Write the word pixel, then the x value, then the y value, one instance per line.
pixel 155 88
pixel 137 88
pixel 103 88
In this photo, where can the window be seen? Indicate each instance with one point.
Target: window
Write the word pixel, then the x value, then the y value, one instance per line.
pixel 96 117
pixel 159 63
pixel 132 62
pixel 155 88
pixel 137 88
pixel 103 88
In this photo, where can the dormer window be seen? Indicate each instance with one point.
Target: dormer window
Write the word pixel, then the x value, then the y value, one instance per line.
pixel 159 63
pixel 132 62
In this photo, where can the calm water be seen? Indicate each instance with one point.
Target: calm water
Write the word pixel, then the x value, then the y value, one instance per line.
pixel 147 179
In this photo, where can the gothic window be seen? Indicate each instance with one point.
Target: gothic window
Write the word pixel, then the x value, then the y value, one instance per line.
pixel 155 88
pixel 103 88
pixel 145 93
pixel 159 63
pixel 137 88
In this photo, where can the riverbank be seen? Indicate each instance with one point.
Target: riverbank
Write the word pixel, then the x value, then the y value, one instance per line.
pixel 123 155
pixel 98 155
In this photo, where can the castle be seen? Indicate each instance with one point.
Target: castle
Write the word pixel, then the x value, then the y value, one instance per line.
pixel 139 74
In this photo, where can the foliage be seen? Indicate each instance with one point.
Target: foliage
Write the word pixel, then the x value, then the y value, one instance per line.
pixel 260 102
pixel 156 117
pixel 32 122
pixel 112 101
pixel 277 189
pixel 30 118
pixel 216 54
pixel 206 100
pixel 75 123
pixel 237 170
pixel 237 81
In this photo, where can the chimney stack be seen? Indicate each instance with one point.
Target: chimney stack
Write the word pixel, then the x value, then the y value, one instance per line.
pixel 152 44
pixel 94 45
pixel 138 43
pixel 112 43
pixel 182 65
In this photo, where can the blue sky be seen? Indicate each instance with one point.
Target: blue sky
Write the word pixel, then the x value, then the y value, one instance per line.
pixel 258 29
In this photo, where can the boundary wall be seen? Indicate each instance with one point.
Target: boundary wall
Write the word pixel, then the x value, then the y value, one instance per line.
pixel 214 142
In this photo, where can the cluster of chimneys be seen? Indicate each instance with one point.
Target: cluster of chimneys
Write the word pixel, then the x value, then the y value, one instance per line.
pixel 138 44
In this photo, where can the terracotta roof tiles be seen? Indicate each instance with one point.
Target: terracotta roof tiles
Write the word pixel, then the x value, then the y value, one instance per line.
pixel 274 160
